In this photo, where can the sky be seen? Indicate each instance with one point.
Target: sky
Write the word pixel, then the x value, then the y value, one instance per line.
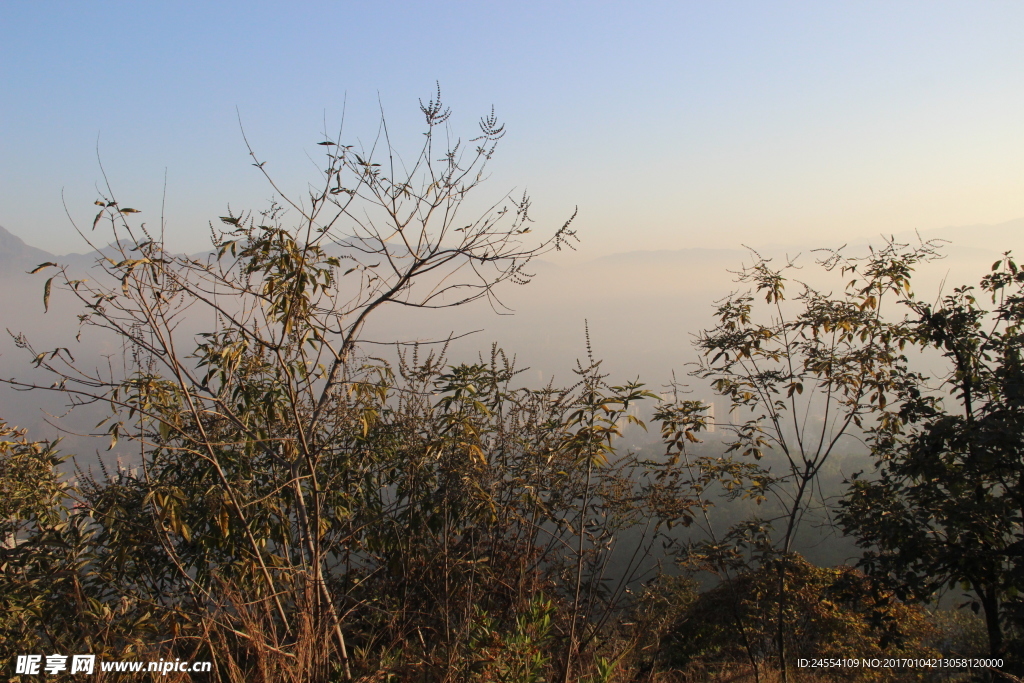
pixel 669 124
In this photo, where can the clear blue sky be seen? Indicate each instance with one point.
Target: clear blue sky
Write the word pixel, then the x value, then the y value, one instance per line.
pixel 670 124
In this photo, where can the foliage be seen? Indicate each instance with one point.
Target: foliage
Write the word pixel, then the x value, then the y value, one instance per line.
pixel 53 596
pixel 803 378
pixel 945 508
pixel 829 613
pixel 311 506
pixel 833 356
pixel 303 510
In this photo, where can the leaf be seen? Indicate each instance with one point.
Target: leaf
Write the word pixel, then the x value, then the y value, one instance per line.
pixel 326 143
pixel 41 266
pixel 223 522
pixel 130 211
pixel 478 453
pixel 46 295
pixel 95 221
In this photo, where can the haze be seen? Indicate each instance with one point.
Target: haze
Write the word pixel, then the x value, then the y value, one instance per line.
pixel 673 128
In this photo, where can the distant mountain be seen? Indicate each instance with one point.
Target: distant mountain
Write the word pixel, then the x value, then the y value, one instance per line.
pixel 641 309
pixel 671 257
pixel 969 240
pixel 16 256
pixel 975 240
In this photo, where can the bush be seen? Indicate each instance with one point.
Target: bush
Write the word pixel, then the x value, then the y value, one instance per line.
pixel 832 613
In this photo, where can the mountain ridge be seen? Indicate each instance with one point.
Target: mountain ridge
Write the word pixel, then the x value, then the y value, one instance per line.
pixel 15 253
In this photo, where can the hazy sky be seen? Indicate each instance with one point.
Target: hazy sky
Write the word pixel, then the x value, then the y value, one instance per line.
pixel 671 124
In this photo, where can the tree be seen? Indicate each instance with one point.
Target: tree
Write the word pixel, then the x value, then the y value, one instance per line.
pixel 295 490
pixel 804 378
pixel 266 400
pixel 946 505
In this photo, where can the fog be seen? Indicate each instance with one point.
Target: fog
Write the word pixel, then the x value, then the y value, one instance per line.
pixel 641 308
